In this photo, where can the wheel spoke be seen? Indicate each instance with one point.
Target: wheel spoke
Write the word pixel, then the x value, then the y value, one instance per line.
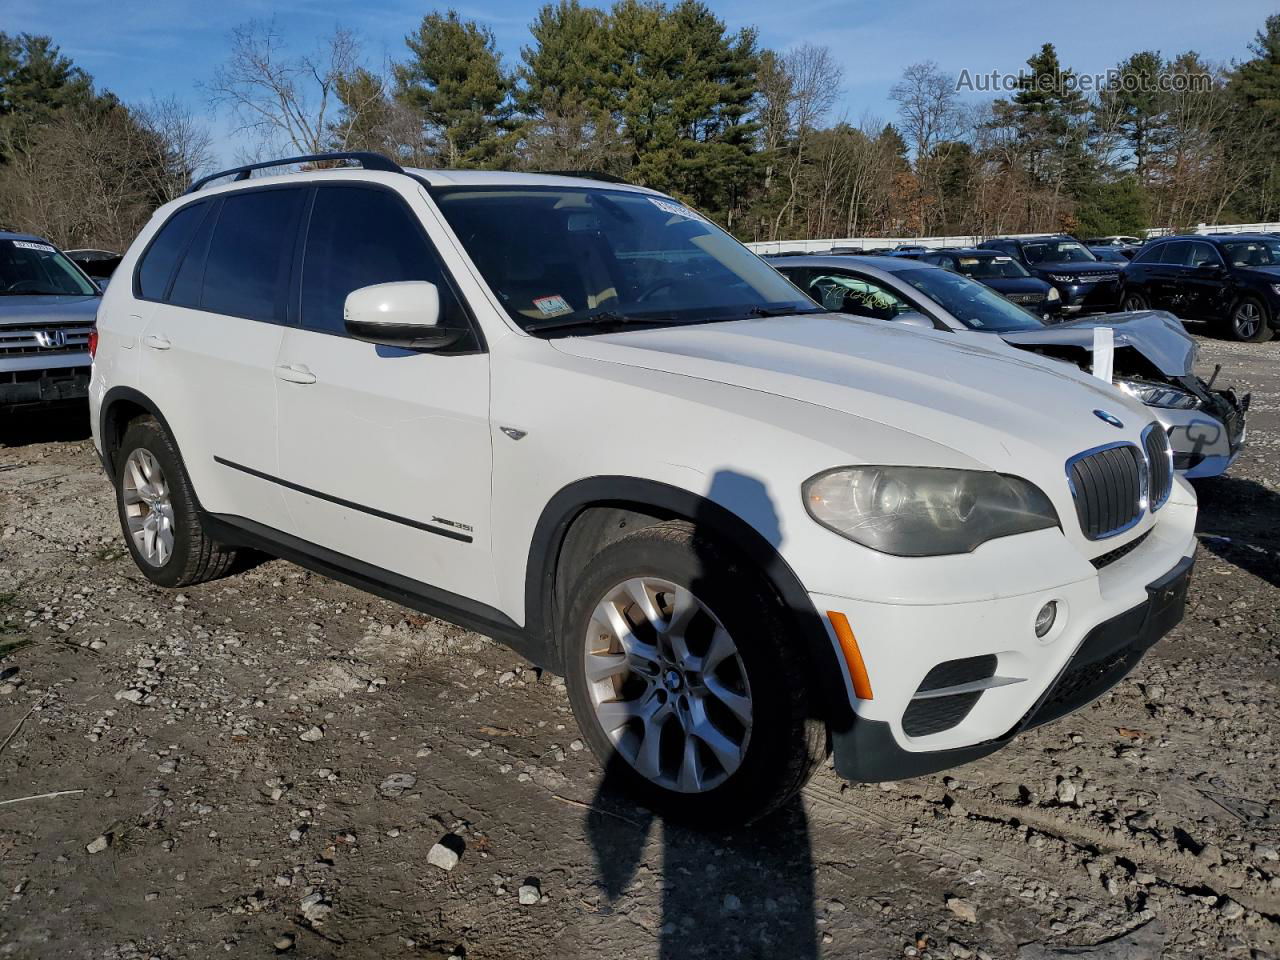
pixel 728 753
pixel 605 666
pixel 690 778
pixel 738 705
pixel 638 590
pixel 721 649
pixel 648 758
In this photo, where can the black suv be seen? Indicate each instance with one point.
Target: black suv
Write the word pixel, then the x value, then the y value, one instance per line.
pixel 1002 274
pixel 1085 283
pixel 1229 279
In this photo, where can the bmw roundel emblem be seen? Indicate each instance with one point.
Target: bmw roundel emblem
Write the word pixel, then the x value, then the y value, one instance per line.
pixel 1109 418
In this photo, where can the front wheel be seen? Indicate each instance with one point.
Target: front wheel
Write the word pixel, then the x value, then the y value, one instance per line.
pixel 1249 322
pixel 684 681
pixel 1132 301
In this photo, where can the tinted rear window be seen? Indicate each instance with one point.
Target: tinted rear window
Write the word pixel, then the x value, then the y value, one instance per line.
pixel 247 271
pixel 156 266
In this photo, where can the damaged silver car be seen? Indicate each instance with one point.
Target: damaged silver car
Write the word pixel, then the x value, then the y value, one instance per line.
pixel 1145 353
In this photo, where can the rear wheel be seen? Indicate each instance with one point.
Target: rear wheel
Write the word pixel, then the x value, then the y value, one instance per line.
pixel 684 681
pixel 158 513
pixel 1249 322
pixel 1132 300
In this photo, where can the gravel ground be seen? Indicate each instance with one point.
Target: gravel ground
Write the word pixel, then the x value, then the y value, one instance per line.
pixel 277 764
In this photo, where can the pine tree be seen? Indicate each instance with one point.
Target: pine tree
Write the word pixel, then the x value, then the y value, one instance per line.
pixel 456 82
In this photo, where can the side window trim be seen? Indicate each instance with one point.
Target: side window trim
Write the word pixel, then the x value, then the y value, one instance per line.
pixel 445 273
pixel 182 255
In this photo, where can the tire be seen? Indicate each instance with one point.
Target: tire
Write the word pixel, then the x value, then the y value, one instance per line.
pixel 158 512
pixel 753 700
pixel 1133 300
pixel 1249 321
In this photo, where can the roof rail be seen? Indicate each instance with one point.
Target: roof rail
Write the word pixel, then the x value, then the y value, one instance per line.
pixel 369 161
pixel 584 175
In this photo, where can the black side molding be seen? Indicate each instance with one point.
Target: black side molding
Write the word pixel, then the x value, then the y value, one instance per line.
pixel 463 611
pixel 349 504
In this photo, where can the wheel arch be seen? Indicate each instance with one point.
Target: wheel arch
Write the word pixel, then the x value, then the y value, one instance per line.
pixel 120 407
pixel 587 515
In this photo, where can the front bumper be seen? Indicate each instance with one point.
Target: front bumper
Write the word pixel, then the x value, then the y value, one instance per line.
pixel 1082 298
pixel 870 750
pixel 20 388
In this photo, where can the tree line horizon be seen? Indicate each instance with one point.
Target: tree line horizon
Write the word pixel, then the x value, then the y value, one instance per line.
pixel 666 96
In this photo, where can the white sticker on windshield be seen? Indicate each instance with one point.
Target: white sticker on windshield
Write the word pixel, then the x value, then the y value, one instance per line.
pixel 28 245
pixel 552 306
pixel 676 209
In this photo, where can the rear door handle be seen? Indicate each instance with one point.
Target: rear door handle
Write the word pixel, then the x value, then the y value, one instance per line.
pixel 156 342
pixel 295 373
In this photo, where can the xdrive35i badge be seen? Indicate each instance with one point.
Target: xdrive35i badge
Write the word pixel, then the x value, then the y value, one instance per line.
pixel 1109 418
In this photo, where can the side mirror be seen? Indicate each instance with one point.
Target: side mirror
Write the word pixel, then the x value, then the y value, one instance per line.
pixel 405 314
pixel 1210 266
pixel 913 318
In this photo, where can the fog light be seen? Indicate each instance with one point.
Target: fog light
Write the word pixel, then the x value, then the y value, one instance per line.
pixel 1045 618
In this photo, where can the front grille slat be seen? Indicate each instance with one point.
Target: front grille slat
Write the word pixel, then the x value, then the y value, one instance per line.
pixel 24 341
pixel 1107 487
pixel 1155 444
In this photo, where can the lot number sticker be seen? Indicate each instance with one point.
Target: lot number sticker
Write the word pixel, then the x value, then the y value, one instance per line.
pixel 28 245
pixel 552 306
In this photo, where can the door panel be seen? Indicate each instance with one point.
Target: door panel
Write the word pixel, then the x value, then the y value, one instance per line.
pixel 215 386
pixel 394 450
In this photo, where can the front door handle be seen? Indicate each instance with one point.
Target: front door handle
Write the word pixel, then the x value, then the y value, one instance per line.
pixel 157 342
pixel 295 373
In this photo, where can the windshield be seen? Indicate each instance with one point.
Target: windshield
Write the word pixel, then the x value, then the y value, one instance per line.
pixel 990 267
pixel 977 306
pixel 33 268
pixel 1057 251
pixel 1252 253
pixel 555 256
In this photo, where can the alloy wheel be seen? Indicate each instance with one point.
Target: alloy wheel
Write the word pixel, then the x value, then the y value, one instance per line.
pixel 668 685
pixel 148 507
pixel 1247 320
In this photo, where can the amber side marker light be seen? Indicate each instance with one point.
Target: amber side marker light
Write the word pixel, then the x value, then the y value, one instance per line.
pixel 852 655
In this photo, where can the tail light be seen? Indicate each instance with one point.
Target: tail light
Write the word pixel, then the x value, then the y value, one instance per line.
pixel 93 343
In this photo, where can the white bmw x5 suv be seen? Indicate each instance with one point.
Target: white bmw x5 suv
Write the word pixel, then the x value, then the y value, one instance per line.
pixel 575 416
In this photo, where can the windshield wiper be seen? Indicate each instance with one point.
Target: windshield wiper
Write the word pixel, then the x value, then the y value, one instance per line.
pixel 606 318
pixel 762 311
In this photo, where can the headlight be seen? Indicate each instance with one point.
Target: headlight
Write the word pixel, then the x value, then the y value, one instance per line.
pixel 1054 294
pixel 1159 395
pixel 925 511
pixel 1063 277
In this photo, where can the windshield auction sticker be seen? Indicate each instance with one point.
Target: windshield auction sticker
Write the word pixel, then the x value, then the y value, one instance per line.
pixel 552 306
pixel 28 245
pixel 676 209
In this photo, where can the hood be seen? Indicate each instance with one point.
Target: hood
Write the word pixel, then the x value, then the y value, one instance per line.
pixel 1265 274
pixel 1077 267
pixel 1157 335
pixel 999 406
pixel 1015 284
pixel 27 310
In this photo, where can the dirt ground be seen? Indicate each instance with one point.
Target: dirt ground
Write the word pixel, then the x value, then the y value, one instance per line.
pixel 267 764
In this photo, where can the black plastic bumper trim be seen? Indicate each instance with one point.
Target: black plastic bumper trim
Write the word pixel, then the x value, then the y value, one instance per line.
pixel 868 752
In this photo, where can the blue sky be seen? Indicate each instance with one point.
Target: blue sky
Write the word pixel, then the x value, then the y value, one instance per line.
pixel 141 48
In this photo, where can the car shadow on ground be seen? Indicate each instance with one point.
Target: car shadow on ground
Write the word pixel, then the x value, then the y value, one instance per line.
pixel 1239 521
pixel 725 892
pixel 62 424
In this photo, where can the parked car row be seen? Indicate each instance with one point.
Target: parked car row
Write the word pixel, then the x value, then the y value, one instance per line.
pixel 1154 358
pixel 753 523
